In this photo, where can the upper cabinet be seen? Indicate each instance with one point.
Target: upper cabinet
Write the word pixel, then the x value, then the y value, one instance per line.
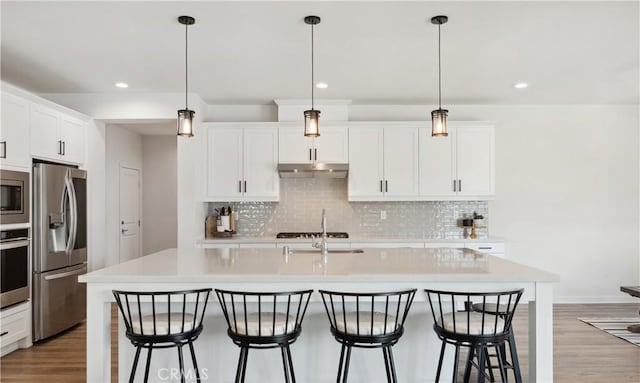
pixel 383 163
pixel 460 166
pixel 331 147
pixel 14 132
pixel 57 136
pixel 242 164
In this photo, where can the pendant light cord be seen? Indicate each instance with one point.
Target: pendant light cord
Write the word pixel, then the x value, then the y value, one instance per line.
pixel 312 69
pixel 439 72
pixel 186 66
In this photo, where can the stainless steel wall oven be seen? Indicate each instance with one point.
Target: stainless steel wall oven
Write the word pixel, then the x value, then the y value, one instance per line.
pixel 14 267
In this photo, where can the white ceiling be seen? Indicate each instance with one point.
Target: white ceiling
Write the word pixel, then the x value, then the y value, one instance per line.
pixel 370 52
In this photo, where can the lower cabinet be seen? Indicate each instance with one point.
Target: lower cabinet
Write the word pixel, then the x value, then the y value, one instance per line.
pixel 15 328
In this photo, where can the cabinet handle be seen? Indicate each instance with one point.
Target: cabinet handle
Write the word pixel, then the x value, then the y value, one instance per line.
pixel 4 333
pixel 239 186
pixel 485 248
pixel 59 147
pixel 245 186
pixel 310 158
pixel 64 148
pixel 386 186
pixel 4 149
pixel 315 154
pixel 454 186
pixel 459 185
pixel 381 190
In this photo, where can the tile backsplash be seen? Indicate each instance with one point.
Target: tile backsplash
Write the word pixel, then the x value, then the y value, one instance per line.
pixel 302 201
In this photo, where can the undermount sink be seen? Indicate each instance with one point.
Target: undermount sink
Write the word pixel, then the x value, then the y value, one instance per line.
pixel 342 251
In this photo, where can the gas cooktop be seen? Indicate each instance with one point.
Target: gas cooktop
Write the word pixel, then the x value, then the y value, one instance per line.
pixel 303 235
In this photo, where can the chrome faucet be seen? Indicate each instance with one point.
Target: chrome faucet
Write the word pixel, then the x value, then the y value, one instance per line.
pixel 323 245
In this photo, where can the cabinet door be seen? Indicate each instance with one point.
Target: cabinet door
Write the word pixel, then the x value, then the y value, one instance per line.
pixel 401 173
pixel 475 161
pixel 437 167
pixel 14 132
pixel 73 135
pixel 45 125
pixel 332 147
pixel 365 164
pixel 224 164
pixel 293 146
pixel 261 181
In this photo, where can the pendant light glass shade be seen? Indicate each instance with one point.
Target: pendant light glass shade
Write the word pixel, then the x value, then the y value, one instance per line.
pixel 439 123
pixel 185 122
pixel 312 116
pixel 311 123
pixel 185 116
pixel 439 116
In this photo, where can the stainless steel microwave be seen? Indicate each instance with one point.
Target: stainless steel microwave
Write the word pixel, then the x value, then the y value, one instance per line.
pixel 14 197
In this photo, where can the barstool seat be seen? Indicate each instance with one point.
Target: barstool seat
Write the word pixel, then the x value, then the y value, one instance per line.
pixel 491 308
pixel 360 323
pixel 164 324
pixel 473 324
pixel 263 324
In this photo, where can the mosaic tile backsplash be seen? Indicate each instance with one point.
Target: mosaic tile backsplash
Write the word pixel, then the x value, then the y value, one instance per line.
pixel 302 201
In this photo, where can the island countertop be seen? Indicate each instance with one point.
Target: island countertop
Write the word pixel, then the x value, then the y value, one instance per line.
pixel 270 265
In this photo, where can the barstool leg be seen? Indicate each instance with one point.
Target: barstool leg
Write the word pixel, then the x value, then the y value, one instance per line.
pixel 514 357
pixel 346 365
pixel 240 365
pixel 341 364
pixel 467 369
pixel 135 364
pixel 393 366
pixel 455 364
pixel 293 375
pixel 193 360
pixel 501 365
pixel 489 366
pixel 386 364
pixel 146 369
pixel 285 364
pixel 481 364
pixel 439 370
pixel 181 364
pixel 244 363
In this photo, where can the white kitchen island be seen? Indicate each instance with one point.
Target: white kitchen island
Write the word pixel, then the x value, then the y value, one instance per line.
pixel 315 354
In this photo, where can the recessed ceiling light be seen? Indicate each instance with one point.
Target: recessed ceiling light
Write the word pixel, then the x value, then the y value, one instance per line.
pixel 322 85
pixel 121 85
pixel 520 85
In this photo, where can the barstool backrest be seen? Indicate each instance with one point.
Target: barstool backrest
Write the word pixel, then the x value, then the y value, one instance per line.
pixel 367 314
pixel 162 313
pixel 452 311
pixel 263 313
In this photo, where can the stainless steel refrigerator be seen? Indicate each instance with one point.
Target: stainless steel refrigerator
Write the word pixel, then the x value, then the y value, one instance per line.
pixel 59 248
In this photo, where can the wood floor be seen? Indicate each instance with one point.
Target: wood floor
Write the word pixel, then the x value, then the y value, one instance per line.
pixel 581 353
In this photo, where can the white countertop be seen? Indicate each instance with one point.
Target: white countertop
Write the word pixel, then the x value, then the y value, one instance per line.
pixel 240 239
pixel 270 265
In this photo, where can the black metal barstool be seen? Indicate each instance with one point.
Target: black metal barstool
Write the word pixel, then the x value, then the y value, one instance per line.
pixel 264 320
pixel 513 364
pixel 166 319
pixel 367 320
pixel 476 330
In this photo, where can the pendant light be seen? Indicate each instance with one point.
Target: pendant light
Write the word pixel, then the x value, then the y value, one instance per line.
pixel 185 116
pixel 311 116
pixel 439 116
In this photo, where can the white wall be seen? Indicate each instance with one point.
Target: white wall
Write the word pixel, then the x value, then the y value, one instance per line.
pixel 123 148
pixel 160 193
pixel 96 184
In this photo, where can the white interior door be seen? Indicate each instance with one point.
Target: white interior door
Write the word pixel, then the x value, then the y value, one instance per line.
pixel 129 213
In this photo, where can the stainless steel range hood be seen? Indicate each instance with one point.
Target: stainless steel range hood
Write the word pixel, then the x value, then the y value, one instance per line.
pixel 313 170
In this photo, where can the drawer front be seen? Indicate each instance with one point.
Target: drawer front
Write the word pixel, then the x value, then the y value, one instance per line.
pixel 13 327
pixel 490 248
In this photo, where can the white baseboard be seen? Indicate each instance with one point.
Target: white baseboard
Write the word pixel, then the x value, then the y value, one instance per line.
pixel 619 298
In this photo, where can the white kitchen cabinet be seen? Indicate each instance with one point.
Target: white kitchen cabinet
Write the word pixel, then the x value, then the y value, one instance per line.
pixel 331 147
pixel 491 248
pixel 14 132
pixel 383 163
pixel 15 327
pixel 242 164
pixel 57 136
pixel 460 166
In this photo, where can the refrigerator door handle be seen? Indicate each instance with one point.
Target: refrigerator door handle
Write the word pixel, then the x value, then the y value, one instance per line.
pixel 73 211
pixel 79 271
